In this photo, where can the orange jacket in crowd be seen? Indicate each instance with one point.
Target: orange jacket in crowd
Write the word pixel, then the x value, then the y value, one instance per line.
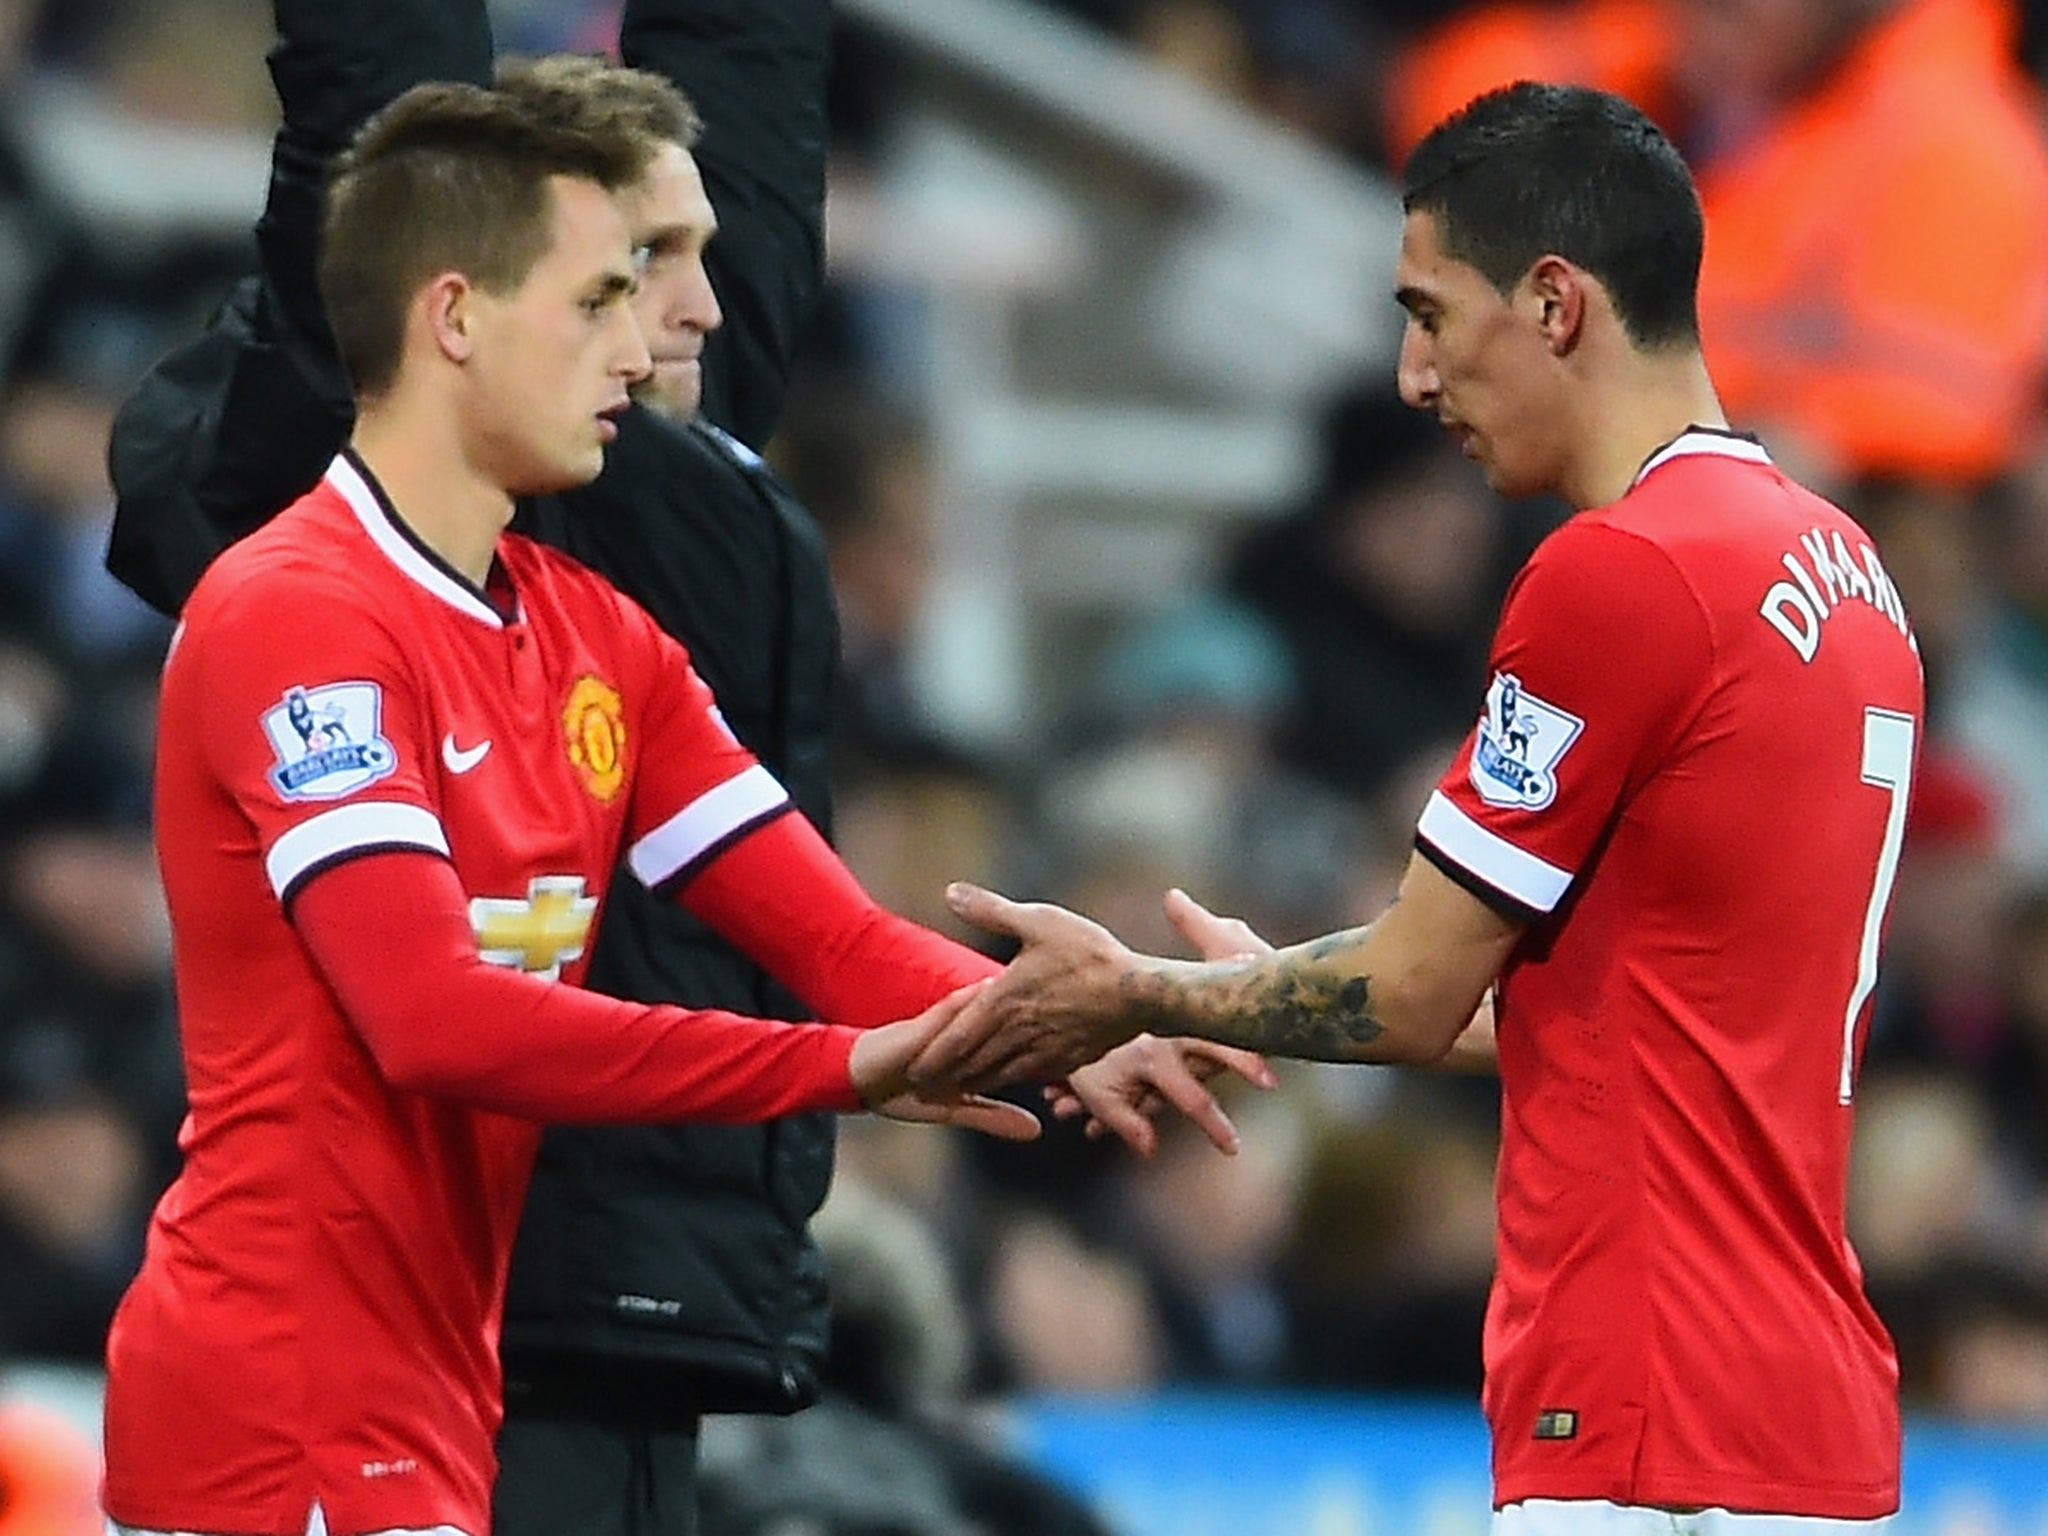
pixel 1876 274
pixel 49 1476
pixel 1876 279
pixel 1623 46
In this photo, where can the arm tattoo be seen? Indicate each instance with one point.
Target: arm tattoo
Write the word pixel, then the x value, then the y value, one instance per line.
pixel 1307 1004
pixel 1311 1017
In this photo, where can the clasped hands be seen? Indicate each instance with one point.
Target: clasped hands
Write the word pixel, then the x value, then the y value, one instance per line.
pixel 1068 1012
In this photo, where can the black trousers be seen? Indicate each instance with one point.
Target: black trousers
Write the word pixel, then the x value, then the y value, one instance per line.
pixel 579 1477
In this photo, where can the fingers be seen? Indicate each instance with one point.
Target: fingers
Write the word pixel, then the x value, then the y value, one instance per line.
pixel 1062 1101
pixel 1206 1058
pixel 1172 1080
pixel 1012 1060
pixel 1124 1091
pixel 881 1057
pixel 991 1117
pixel 1213 937
pixel 1119 1117
pixel 941 1054
pixel 987 1048
pixel 947 1009
pixel 995 1117
pixel 986 909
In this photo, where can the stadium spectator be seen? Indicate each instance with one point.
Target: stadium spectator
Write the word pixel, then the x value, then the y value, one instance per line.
pixel 1382 589
pixel 1996 703
pixel 1876 182
pixel 1623 46
pixel 1875 178
pixel 49 1475
pixel 1387 1277
pixel 895 1447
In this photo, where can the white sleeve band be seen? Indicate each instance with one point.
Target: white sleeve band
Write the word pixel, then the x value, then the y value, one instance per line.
pixel 1535 883
pixel 346 829
pixel 705 823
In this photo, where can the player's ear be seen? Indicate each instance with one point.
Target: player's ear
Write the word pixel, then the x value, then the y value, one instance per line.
pixel 446 309
pixel 1556 291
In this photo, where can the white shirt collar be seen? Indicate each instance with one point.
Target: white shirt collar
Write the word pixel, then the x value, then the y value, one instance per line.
pixel 401 547
pixel 1707 440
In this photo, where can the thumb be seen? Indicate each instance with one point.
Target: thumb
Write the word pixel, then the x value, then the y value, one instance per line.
pixel 985 909
pixel 969 1111
pixel 881 1057
pixel 994 1117
pixel 1213 937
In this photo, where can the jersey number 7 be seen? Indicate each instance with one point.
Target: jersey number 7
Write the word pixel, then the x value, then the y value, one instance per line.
pixel 1887 765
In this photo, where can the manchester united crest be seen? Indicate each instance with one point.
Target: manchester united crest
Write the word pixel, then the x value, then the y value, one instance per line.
pixel 594 730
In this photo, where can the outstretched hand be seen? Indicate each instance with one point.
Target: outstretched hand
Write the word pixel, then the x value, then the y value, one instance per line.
pixel 1061 1003
pixel 880 1067
pixel 1126 1089
pixel 1123 1092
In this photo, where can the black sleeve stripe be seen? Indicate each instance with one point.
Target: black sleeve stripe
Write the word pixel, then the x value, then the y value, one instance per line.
pixel 673 882
pixel 1500 901
pixel 343 856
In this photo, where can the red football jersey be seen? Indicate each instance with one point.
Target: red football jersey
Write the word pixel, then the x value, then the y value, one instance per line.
pixel 1691 774
pixel 316 1317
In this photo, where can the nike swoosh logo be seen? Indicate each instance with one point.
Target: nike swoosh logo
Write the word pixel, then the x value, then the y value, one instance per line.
pixel 462 759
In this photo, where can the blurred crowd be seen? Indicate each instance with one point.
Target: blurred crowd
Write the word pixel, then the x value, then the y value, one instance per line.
pixel 1876 306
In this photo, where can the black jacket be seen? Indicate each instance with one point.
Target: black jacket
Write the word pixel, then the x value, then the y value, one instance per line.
pixel 660 1270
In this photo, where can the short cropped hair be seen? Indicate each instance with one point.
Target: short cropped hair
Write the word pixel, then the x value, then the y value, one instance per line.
pixel 1533 170
pixel 583 93
pixel 449 177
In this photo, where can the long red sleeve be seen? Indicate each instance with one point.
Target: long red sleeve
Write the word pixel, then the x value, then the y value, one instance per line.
pixel 781 894
pixel 390 934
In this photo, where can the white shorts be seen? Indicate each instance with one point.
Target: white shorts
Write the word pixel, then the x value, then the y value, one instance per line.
pixel 316 1525
pixel 1599 1517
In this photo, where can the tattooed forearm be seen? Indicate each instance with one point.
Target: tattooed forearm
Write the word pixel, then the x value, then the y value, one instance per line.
pixel 1310 1017
pixel 1309 1003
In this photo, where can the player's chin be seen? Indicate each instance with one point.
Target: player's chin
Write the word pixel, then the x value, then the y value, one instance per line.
pixel 1508 479
pixel 564 470
pixel 674 389
pixel 567 470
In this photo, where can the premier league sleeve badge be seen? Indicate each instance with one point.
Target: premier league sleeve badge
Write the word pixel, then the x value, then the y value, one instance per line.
pixel 328 741
pixel 1520 741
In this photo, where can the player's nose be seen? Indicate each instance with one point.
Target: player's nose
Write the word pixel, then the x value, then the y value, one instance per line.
pixel 1415 373
pixel 631 361
pixel 697 303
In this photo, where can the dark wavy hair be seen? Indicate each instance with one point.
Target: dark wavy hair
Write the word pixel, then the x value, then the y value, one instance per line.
pixel 1532 170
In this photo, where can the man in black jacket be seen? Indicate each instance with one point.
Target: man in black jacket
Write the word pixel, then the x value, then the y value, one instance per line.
pixel 662 1272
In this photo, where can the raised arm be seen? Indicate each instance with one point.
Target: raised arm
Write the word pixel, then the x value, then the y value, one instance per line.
pixel 235 424
pixel 756 70
pixel 334 63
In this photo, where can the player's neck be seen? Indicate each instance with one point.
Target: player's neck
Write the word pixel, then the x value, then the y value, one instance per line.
pixel 1651 401
pixel 450 506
